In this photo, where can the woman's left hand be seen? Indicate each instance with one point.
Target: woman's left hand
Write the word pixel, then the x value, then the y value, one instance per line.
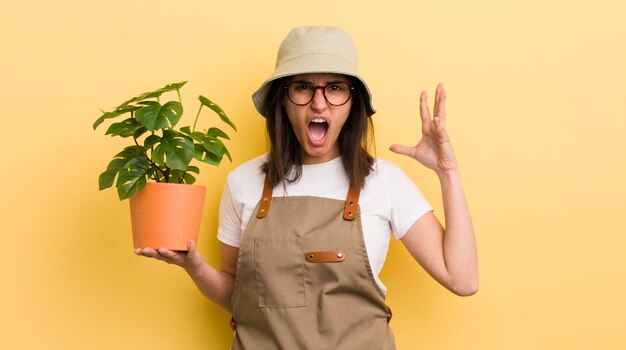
pixel 434 150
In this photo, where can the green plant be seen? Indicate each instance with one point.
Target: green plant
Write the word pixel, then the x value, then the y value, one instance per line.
pixel 160 152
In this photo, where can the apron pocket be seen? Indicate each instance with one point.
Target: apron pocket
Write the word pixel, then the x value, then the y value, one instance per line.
pixel 279 272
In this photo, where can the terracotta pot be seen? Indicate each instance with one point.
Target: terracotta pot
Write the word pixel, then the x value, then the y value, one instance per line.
pixel 166 215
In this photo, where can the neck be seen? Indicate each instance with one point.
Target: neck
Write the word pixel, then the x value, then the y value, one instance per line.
pixel 308 159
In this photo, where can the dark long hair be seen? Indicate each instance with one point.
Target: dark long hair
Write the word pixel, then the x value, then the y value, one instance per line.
pixel 356 138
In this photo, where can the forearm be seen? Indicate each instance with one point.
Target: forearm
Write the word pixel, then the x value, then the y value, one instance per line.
pixel 459 245
pixel 216 285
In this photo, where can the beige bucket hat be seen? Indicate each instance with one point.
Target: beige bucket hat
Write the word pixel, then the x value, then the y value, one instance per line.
pixel 313 49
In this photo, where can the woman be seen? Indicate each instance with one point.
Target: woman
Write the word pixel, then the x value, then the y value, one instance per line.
pixel 304 229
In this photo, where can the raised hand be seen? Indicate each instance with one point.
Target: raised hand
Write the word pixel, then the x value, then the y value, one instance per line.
pixel 434 149
pixel 188 260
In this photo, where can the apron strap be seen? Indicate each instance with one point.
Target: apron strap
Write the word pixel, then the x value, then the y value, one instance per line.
pixel 349 210
pixel 266 198
pixel 352 201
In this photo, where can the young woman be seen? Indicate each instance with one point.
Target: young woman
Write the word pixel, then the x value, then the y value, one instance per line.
pixel 305 228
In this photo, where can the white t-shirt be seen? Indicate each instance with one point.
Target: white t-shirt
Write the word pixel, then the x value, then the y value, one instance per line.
pixel 389 202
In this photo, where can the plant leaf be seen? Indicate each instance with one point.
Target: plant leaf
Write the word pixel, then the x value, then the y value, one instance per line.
pixel 154 94
pixel 98 122
pixel 125 128
pixel 107 177
pixel 211 151
pixel 193 169
pixel 215 132
pixel 206 102
pixel 206 157
pixel 209 143
pixel 216 146
pixel 113 114
pixel 210 140
pixel 155 116
pixel 189 179
pixel 196 135
pixel 132 177
pixel 151 141
pixel 174 151
pixel 227 154
pixel 140 131
pixel 148 103
pixel 175 176
pixel 172 86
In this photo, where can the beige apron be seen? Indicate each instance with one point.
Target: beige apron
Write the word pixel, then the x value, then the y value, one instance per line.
pixel 304 280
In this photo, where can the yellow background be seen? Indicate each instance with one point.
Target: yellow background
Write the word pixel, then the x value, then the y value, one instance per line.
pixel 536 112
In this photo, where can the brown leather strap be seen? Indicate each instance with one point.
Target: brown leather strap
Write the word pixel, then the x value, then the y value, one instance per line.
pixel 352 202
pixel 349 210
pixel 266 198
pixel 325 256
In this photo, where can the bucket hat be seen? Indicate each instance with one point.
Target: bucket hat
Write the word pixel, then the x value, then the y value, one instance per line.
pixel 313 49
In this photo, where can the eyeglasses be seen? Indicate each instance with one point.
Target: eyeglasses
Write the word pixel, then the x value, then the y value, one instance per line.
pixel 301 93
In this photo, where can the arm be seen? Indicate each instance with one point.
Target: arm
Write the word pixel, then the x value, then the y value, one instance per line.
pixel 216 285
pixel 449 255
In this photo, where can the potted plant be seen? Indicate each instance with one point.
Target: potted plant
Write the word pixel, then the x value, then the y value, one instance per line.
pixel 154 172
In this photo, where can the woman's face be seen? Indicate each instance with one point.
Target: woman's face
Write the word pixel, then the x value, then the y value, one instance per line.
pixel 317 124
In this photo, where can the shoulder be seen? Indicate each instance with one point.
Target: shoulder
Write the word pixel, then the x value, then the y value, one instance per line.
pixel 251 167
pixel 384 170
pixel 380 183
pixel 247 177
pixel 389 184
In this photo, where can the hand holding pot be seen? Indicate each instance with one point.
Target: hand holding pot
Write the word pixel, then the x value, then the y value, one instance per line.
pixel 188 260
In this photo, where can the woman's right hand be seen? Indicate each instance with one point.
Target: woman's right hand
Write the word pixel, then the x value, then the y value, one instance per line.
pixel 190 260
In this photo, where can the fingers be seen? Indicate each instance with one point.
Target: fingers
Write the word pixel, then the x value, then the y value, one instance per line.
pixel 191 250
pixel 191 247
pixel 162 254
pixel 440 130
pixel 440 93
pixel 424 112
pixel 147 252
pixel 441 103
pixel 437 95
pixel 439 108
pixel 401 149
pixel 168 254
pixel 171 257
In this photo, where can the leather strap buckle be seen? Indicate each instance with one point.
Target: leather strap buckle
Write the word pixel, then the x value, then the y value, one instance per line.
pixel 325 256
pixel 264 205
pixel 352 202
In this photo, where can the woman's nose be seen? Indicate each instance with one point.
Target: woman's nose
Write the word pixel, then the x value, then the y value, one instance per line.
pixel 319 101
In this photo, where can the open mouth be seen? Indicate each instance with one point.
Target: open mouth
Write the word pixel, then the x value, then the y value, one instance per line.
pixel 317 129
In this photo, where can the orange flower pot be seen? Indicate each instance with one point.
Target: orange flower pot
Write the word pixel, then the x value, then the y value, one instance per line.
pixel 166 215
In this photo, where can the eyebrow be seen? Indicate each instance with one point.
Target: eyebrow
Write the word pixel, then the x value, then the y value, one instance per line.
pixel 311 83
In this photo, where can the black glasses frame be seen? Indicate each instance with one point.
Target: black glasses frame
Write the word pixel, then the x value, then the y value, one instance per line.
pixel 315 87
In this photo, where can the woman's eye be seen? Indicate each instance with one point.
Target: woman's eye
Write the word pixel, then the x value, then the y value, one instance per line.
pixel 303 87
pixel 335 87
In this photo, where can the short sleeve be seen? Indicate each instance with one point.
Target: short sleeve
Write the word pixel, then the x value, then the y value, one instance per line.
pixel 407 203
pixel 229 229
